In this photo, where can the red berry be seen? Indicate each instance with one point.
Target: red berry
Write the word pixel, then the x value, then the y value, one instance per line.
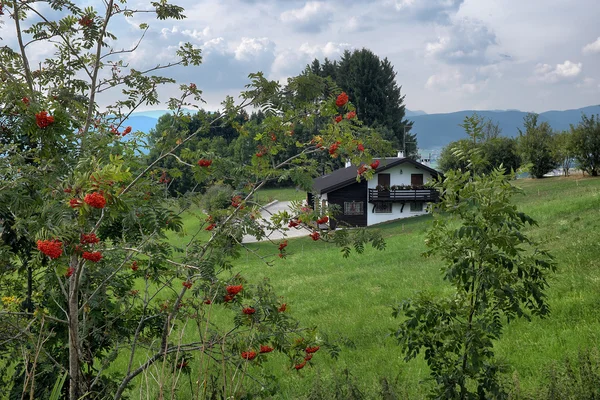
pixel 93 256
pixel 248 355
pixel 266 349
pixel 51 248
pixel 341 100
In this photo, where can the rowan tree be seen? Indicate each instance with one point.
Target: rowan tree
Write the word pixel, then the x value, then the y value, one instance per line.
pixel 92 287
pixel 497 274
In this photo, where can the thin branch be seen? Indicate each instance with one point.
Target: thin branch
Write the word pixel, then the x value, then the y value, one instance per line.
pixel 28 76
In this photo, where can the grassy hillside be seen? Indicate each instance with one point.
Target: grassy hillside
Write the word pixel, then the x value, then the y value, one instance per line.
pixel 352 298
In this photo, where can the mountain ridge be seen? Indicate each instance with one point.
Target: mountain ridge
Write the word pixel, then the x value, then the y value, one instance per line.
pixel 435 131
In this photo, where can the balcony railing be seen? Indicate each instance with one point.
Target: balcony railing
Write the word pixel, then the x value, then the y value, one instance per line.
pixel 427 195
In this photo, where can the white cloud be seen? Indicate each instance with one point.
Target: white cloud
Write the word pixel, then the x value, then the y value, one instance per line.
pixel 313 17
pixel 251 48
pixel 566 71
pixel 196 34
pixel 291 62
pixel 592 48
pixel 166 32
pixel 329 50
pixel 464 42
pixel 454 80
pixel 216 45
pixel 438 11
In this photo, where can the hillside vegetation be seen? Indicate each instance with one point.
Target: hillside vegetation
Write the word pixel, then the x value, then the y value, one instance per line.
pixel 351 299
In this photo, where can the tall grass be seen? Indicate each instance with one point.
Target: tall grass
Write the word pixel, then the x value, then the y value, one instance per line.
pixel 350 301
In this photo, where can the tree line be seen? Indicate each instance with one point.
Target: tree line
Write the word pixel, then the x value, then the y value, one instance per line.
pixel 538 149
pixel 368 80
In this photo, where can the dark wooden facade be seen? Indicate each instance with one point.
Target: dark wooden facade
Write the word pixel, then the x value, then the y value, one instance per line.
pixel 355 192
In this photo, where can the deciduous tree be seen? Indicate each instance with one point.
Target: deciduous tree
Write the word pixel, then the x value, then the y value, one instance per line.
pixel 586 144
pixel 89 277
pixel 497 274
pixel 535 145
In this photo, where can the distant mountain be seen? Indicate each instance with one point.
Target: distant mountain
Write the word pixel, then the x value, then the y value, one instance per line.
pixel 146 120
pixel 140 123
pixel 433 131
pixel 413 113
pixel 437 130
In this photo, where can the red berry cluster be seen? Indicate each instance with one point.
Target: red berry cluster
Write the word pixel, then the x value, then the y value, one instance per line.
pixel 334 147
pixel 351 115
pixel 232 290
pixel 282 307
pixel 95 200
pixel 338 119
pixel 309 355
pixel 282 246
pixel 323 220
pixel 51 248
pixel 374 164
pixel 315 236
pixel 74 203
pixel 236 202
pixel 187 284
pixel 93 256
pixel 341 100
pixel 85 21
pixel 164 178
pixel 262 150
pixel 248 310
pixel 24 99
pixel 89 238
pixel 210 227
pixel 293 223
pixel 248 355
pixel 43 120
pixel 265 349
pixel 134 266
pixel 203 162
pixel 115 131
pixel 360 147
pixel 70 272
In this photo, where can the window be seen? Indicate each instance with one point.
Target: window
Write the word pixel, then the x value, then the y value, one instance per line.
pixel 383 208
pixel 416 207
pixel 416 179
pixel 353 208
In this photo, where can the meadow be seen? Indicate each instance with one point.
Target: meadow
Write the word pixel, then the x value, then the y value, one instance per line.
pixel 350 300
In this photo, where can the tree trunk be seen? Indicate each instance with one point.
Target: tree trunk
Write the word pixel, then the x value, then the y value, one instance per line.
pixel 73 310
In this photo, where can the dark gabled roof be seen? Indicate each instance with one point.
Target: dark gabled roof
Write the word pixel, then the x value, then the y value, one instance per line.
pixel 346 176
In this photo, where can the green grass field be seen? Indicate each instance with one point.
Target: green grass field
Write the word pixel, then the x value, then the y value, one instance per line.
pixel 351 299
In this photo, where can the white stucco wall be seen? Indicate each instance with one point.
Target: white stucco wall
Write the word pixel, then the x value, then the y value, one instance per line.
pixel 399 175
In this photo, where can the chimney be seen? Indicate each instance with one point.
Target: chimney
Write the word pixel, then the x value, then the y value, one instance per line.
pixel 400 154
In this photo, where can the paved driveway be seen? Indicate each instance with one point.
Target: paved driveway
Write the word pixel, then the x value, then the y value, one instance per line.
pixel 276 235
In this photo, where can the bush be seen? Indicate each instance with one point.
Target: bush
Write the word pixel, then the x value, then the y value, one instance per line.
pixel 217 197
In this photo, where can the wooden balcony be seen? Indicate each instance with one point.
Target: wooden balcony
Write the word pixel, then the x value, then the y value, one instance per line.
pixel 426 195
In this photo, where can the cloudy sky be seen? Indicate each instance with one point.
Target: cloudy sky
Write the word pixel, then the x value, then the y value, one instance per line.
pixel 449 55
